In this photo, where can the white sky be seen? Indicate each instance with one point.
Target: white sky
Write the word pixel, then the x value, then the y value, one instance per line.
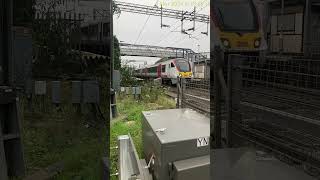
pixel 128 26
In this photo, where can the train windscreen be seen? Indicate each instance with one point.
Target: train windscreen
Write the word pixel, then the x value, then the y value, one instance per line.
pixel 183 65
pixel 243 11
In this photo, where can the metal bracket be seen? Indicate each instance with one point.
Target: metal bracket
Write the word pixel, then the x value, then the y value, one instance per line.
pixel 151 161
pixel 171 171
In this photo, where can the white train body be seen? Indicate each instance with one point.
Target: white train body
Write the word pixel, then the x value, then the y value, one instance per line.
pixel 167 69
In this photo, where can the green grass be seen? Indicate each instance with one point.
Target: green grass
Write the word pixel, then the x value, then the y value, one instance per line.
pixel 53 136
pixel 130 116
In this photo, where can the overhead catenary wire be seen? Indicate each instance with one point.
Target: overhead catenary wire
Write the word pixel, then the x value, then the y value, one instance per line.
pixel 176 27
pixel 144 25
pixel 176 41
pixel 166 35
pixel 185 37
pixel 142 29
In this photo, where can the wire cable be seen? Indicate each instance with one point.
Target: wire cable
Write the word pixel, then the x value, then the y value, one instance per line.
pixel 167 34
pixel 142 29
pixel 170 31
pixel 144 25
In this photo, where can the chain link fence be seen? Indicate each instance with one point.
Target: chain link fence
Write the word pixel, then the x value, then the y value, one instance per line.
pixel 194 94
pixel 275 104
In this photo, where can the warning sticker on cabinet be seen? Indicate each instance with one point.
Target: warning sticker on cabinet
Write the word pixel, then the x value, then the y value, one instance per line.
pixel 203 141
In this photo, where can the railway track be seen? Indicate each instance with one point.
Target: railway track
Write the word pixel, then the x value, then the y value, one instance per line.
pixel 284 122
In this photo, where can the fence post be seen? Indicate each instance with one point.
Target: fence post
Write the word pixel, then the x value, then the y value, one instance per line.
pixel 183 88
pixel 3 163
pixel 229 102
pixel 216 98
pixel 178 92
pixel 233 96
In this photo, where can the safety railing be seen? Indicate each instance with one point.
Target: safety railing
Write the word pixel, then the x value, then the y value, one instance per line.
pixel 194 94
pixel 274 103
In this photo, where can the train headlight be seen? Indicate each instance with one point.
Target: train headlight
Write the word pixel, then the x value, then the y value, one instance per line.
pixel 257 43
pixel 225 43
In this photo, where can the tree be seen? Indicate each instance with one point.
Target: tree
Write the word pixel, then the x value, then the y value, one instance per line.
pixel 116 9
pixel 116 53
pixel 53 39
pixel 127 78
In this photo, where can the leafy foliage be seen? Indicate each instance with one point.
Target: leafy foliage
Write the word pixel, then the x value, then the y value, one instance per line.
pixel 23 13
pixel 116 9
pixel 116 53
pixel 127 78
pixel 52 40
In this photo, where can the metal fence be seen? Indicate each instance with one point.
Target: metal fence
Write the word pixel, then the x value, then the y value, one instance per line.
pixel 274 103
pixel 194 94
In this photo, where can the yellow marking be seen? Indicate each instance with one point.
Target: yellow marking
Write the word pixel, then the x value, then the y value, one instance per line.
pixel 185 74
pixel 237 41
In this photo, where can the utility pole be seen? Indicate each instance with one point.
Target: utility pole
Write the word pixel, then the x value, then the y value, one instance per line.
pixel 11 154
pixel 194 19
pixel 162 25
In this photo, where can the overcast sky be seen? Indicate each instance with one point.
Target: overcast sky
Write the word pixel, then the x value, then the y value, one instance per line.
pixel 128 26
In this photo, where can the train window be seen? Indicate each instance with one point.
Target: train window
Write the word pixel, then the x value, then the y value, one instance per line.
pixel 172 65
pixel 153 69
pixel 163 68
pixel 287 22
pixel 183 65
pixel 227 11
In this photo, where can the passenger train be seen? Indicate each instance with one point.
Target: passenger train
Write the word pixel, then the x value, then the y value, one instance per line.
pixel 167 69
pixel 243 34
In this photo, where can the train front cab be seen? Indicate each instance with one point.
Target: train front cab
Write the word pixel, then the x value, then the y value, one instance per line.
pixel 172 70
pixel 243 35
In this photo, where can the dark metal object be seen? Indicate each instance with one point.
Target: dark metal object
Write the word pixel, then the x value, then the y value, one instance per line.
pixel 105 168
pixel 233 97
pixel 247 164
pixel 76 92
pixel 194 94
pixel 158 51
pixel 114 112
pixel 218 59
pixel 11 153
pixel 276 106
pixel 40 87
pixel 130 167
pixel 116 80
pixel 173 135
pixel 22 56
pixel 192 169
pixel 91 92
pixel 56 92
pixel 10 136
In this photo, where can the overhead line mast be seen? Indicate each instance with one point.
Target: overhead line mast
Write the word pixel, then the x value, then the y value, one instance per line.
pixel 163 12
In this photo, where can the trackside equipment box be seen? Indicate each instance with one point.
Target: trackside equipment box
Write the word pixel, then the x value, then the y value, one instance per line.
pixel 176 144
